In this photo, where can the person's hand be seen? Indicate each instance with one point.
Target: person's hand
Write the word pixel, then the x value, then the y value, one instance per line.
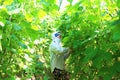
pixel 70 50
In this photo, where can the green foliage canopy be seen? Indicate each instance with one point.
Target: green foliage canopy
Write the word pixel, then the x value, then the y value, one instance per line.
pixel 91 28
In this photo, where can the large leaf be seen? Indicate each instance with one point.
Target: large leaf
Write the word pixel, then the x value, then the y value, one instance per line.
pixel 8 2
pixel 90 53
pixel 101 58
pixel 41 14
pixel 16 27
pixel 118 3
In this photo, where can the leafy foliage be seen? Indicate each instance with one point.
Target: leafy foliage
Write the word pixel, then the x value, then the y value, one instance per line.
pixel 89 27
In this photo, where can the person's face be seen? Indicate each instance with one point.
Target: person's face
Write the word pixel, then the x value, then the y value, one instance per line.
pixel 59 36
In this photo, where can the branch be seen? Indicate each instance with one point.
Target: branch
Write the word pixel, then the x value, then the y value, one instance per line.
pixel 60 3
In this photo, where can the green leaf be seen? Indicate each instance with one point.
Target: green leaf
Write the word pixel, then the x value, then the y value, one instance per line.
pixel 8 2
pixel 29 17
pixel 107 77
pixel 90 53
pixel 22 45
pixel 41 14
pixel 92 18
pixel 46 78
pixel 116 36
pixel 51 1
pixel 66 39
pixel 21 1
pixel 17 27
pixel 116 66
pixel 1 34
pixel 13 50
pixel 3 12
pixel 2 22
pixel 70 1
pixel 118 3
pixel 116 22
pixel 0 46
pixel 101 58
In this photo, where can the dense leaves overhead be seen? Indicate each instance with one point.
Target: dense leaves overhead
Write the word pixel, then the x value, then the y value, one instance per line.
pixel 91 28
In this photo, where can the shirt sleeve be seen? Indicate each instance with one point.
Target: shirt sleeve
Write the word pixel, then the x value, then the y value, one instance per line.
pixel 66 55
pixel 59 50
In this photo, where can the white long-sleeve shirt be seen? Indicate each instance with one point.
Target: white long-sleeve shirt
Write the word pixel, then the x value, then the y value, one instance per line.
pixel 58 54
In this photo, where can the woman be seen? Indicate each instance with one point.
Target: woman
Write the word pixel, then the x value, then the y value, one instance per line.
pixel 58 55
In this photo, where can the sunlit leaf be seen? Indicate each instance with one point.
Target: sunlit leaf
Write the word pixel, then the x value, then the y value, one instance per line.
pixel 70 1
pixel 21 1
pixel 26 56
pixel 35 27
pixel 41 14
pixel 92 17
pixel 29 17
pixel 15 11
pixel 8 2
pixel 13 50
pixel 66 39
pixel 2 21
pixel 1 24
pixel 51 1
pixel 3 13
pixel 0 0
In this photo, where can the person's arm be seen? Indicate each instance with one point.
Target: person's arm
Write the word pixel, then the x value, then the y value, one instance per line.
pixel 67 54
pixel 59 50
